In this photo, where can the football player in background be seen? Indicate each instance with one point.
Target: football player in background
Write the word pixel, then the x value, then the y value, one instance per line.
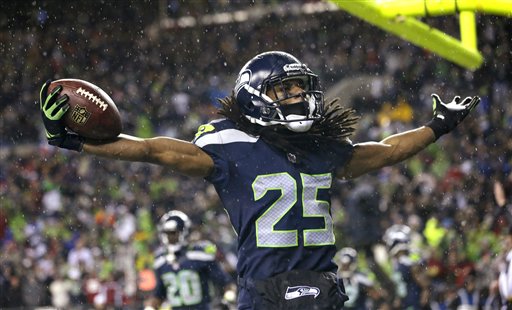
pixel 184 271
pixel 412 284
pixel 273 160
pixel 359 286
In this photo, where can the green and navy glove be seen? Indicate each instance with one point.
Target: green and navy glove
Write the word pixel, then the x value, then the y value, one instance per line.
pixel 448 115
pixel 53 109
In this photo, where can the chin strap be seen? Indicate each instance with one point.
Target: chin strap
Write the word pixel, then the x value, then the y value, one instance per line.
pixel 300 125
pixel 301 122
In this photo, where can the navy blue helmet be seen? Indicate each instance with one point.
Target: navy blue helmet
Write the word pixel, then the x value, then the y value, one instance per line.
pixel 173 222
pixel 397 238
pixel 347 261
pixel 275 70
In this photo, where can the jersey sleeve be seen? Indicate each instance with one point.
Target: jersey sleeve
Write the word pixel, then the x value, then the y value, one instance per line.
pixel 342 153
pixel 209 139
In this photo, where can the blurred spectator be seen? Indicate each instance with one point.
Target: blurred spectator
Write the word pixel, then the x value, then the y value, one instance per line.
pixel 505 276
pixel 12 296
pixel 60 289
pixel 80 259
pixel 468 296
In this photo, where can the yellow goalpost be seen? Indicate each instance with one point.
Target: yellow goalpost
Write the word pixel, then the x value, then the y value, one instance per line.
pixel 400 17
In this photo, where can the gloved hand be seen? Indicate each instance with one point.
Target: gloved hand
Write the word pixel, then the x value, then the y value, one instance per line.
pixel 448 115
pixel 53 109
pixel 229 299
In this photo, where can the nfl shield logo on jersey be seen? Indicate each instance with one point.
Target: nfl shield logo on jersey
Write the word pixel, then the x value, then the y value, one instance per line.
pixel 300 291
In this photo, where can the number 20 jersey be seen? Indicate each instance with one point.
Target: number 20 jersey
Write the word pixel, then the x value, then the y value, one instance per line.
pixel 279 205
pixel 186 282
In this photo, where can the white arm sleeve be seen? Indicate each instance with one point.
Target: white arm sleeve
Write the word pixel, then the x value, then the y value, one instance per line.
pixel 505 279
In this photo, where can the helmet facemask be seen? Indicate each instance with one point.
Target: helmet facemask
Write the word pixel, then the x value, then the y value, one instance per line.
pixel 174 240
pixel 397 238
pixel 295 110
pixel 173 230
pixel 265 97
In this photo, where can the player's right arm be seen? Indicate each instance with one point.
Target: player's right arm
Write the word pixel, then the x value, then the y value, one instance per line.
pixel 180 156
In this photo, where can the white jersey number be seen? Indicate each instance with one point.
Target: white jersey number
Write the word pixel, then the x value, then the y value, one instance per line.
pixel 183 288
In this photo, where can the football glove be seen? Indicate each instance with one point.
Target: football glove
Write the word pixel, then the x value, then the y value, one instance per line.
pixel 229 298
pixel 53 109
pixel 448 115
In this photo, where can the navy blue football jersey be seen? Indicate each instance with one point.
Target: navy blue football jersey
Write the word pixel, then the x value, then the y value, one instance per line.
pixel 184 281
pixel 279 204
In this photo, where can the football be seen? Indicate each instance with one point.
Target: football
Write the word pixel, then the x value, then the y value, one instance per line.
pixel 92 113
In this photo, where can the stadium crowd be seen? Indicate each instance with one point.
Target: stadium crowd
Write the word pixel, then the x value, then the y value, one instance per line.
pixel 77 232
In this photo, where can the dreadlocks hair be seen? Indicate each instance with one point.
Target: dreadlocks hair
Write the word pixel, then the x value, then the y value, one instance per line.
pixel 334 127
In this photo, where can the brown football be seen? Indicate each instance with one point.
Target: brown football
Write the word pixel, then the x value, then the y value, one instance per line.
pixel 92 113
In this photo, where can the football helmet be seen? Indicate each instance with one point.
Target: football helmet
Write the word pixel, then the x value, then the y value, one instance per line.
pixel 347 261
pixel 173 222
pixel 397 238
pixel 278 72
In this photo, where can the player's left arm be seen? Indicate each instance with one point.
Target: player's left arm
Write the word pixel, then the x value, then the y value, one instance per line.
pixel 371 156
pixel 225 281
pixel 206 251
pixel 218 275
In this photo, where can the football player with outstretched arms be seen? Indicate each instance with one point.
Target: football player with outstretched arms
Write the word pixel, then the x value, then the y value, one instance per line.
pixel 273 158
pixel 184 271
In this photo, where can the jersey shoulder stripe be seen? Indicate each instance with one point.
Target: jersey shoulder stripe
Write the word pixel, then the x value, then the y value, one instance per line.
pixel 221 132
pixel 200 256
pixel 159 262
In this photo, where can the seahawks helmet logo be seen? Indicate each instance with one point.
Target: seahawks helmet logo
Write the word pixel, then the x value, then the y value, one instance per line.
pixel 243 79
pixel 80 115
